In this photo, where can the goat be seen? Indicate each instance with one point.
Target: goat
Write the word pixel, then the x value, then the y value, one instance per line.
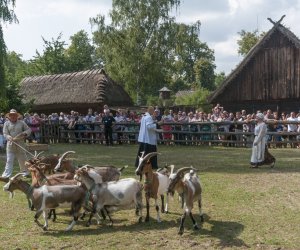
pixel 39 179
pixel 48 197
pixel 188 185
pixel 108 173
pixel 155 184
pixel 113 195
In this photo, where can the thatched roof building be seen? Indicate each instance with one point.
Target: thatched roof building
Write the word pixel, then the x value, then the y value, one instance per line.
pixel 73 91
pixel 267 78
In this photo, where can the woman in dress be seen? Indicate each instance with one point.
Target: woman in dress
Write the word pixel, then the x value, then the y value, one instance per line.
pixel 259 143
pixel 260 154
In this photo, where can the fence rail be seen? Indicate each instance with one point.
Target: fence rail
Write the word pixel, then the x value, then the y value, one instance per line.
pixel 200 133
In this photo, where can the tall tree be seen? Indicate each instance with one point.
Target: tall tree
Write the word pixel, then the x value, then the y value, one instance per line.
pixel 134 47
pixel 248 40
pixel 53 59
pixel 80 52
pixel 188 51
pixel 204 71
pixel 7 15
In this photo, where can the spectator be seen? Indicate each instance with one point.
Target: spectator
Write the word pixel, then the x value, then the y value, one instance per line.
pixel 292 128
pixel 108 120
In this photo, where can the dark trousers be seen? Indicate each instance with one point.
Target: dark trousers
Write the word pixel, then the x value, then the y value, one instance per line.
pixel 108 136
pixel 147 148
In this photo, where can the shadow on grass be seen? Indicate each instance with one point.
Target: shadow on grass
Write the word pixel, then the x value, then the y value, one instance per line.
pixel 226 231
pixel 104 228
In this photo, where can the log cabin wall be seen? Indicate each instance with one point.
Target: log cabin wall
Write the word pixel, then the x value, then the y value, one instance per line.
pixel 269 80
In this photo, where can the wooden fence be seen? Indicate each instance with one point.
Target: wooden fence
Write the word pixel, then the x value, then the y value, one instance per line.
pixel 200 133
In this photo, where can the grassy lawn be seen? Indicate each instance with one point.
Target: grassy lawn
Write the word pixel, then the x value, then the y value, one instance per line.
pixel 244 208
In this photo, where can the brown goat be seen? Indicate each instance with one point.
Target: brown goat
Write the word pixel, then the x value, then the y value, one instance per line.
pixel 155 184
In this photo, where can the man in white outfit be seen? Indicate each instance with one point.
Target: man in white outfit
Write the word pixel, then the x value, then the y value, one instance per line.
pixel 148 137
pixel 15 130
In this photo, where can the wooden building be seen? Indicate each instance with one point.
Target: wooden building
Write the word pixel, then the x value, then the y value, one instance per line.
pixel 267 78
pixel 73 91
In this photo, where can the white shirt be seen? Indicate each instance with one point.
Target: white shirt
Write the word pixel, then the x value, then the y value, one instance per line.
pixel 292 127
pixel 147 132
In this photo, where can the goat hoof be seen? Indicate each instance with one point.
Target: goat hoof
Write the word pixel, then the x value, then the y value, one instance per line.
pixel 45 228
pixel 202 218
pixel 87 224
pixel 140 220
pixel 196 227
pixel 180 232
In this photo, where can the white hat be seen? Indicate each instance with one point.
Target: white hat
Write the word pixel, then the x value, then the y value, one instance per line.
pixel 260 116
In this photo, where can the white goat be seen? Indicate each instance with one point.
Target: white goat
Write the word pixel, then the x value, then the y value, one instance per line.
pixel 45 198
pixel 111 196
pixel 189 187
pixel 155 184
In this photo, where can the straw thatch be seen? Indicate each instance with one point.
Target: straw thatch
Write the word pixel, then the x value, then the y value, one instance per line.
pixel 73 91
pixel 268 77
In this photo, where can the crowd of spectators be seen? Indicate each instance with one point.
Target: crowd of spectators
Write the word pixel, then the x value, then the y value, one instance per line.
pixel 184 128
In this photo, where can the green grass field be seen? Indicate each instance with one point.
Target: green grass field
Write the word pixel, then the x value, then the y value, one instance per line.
pixel 244 208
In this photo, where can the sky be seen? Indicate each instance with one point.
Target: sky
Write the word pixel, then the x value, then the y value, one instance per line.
pixel 221 20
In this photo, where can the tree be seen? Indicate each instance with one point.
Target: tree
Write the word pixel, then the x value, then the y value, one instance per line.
pixel 53 59
pixel 7 15
pixel 134 47
pixel 248 40
pixel 219 78
pixel 188 50
pixel 198 99
pixel 204 71
pixel 80 52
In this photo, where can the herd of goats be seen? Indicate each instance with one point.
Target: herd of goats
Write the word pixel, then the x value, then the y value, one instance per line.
pixel 100 191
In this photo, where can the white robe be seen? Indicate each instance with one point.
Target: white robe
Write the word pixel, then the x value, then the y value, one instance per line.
pixel 258 150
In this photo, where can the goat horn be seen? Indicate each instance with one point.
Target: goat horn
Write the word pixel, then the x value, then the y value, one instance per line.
pixel 39 154
pixel 149 156
pixel 17 176
pixel 185 169
pixel 65 154
pixel 172 168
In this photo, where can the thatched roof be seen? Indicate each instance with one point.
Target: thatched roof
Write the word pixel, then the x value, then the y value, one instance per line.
pixel 181 93
pixel 278 27
pixel 92 87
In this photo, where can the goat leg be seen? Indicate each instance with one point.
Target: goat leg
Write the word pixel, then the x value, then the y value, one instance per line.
pixel 157 211
pixel 195 225
pixel 45 227
pixel 162 203
pixel 181 228
pixel 200 210
pixel 147 207
pixel 36 217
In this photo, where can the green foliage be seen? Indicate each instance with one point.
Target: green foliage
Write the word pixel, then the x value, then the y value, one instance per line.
pixel 52 60
pixel 219 78
pixel 188 51
pixel 7 15
pixel 204 72
pixel 145 49
pixel 15 71
pixel 248 40
pixel 134 46
pixel 79 53
pixel 198 99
